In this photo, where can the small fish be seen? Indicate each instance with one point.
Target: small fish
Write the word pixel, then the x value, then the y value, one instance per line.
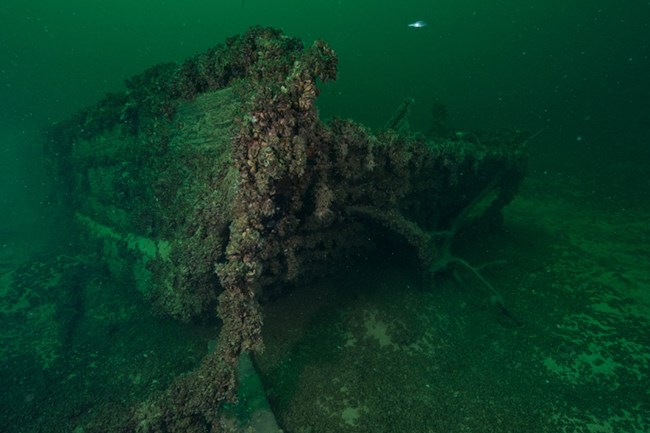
pixel 418 24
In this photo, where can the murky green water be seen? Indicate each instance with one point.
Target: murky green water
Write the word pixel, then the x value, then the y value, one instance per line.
pixel 379 350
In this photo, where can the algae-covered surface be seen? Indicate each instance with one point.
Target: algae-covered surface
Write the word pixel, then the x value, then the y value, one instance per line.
pixel 78 349
pixel 219 187
pixel 378 349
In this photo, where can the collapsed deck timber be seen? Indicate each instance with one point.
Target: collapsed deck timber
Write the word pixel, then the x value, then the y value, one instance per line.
pixel 214 184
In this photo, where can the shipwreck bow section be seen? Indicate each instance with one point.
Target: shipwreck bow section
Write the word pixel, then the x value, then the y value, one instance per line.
pixel 214 184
